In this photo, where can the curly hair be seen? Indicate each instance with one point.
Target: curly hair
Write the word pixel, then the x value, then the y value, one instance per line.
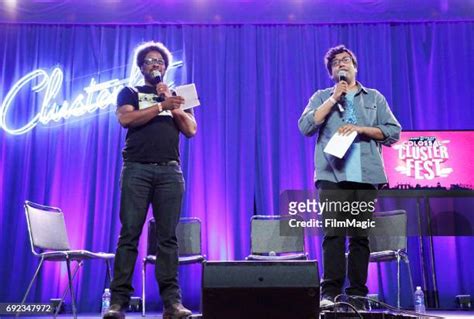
pixel 143 49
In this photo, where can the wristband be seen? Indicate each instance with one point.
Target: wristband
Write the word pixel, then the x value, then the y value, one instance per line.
pixel 160 108
pixel 332 100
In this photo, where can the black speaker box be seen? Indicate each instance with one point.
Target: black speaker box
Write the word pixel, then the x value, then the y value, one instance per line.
pixel 260 289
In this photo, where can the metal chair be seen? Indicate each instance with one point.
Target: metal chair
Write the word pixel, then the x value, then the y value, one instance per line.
pixel 188 233
pixel 273 239
pixel 49 242
pixel 388 242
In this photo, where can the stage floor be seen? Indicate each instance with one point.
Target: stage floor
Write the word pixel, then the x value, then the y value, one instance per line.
pixel 153 315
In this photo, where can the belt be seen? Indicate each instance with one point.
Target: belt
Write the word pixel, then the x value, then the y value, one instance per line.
pixel 163 163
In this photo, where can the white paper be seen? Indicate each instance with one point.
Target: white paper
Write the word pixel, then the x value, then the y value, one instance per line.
pixel 339 144
pixel 189 93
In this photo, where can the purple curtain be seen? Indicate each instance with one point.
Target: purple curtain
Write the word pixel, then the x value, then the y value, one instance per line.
pixel 253 82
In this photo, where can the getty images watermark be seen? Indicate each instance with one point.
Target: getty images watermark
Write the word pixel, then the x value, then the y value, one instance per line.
pixel 332 214
pixel 337 209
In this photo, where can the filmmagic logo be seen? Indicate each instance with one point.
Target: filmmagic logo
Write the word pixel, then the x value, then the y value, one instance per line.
pixel 423 157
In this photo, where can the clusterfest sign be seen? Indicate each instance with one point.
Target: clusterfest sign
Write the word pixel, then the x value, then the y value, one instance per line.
pixel 48 84
pixel 423 157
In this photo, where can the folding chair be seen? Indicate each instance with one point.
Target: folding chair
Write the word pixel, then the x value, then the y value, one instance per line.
pixel 388 242
pixel 273 239
pixel 49 242
pixel 188 233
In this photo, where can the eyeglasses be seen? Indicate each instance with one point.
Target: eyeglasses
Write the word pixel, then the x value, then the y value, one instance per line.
pixel 345 60
pixel 151 61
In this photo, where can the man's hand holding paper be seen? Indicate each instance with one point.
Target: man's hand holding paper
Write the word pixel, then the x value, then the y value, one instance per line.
pixel 340 143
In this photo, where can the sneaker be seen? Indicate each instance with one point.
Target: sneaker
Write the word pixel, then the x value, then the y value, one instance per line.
pixel 326 302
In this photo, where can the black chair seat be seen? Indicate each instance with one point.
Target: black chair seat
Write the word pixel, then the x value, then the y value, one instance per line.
pixel 300 256
pixel 183 260
pixel 75 255
pixel 380 256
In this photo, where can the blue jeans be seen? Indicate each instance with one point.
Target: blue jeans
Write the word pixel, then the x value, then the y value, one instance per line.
pixel 163 188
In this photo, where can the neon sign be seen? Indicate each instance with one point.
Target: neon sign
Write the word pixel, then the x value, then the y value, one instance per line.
pixel 94 97
pixel 423 158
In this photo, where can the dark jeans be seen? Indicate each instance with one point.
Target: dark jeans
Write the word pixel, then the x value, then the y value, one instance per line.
pixel 334 242
pixel 163 188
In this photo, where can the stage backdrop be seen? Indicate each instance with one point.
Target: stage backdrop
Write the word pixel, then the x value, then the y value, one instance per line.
pixel 253 82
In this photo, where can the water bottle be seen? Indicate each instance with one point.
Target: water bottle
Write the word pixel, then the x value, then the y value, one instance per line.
pixel 105 301
pixel 419 300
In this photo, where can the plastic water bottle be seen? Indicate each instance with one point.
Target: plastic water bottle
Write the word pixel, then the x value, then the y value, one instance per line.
pixel 105 301
pixel 419 300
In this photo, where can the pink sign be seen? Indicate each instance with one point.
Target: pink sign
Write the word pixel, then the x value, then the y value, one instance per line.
pixel 431 158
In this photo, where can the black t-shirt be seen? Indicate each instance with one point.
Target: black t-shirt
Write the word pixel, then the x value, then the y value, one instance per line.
pixel 155 141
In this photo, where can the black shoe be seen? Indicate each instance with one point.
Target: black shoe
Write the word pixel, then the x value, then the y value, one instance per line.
pixel 359 304
pixel 115 312
pixel 176 311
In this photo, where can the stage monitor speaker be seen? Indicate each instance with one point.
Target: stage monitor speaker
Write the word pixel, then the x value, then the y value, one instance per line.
pixel 260 289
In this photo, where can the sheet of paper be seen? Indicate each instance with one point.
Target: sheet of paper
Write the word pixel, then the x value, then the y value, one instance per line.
pixel 189 93
pixel 339 144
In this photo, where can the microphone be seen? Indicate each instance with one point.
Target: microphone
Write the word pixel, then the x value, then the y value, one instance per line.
pixel 342 76
pixel 156 75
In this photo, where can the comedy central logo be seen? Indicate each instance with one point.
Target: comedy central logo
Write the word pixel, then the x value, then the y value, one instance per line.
pixel 423 158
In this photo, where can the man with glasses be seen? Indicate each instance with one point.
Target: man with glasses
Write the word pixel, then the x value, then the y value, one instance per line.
pixel 347 107
pixel 151 174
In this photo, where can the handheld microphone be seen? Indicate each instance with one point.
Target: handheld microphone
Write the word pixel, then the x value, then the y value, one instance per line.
pixel 156 75
pixel 342 76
